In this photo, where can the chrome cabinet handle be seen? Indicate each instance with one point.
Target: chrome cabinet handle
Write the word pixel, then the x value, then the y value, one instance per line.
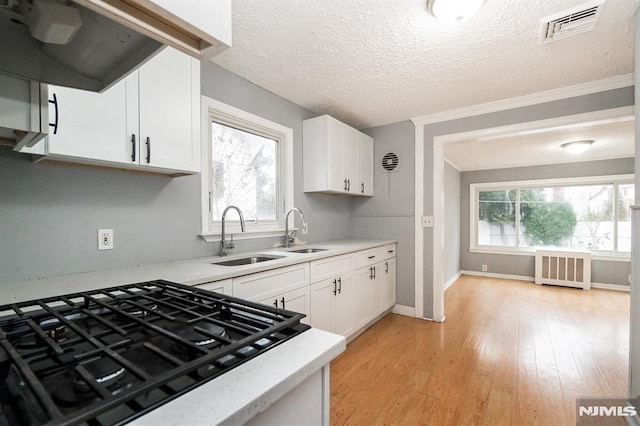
pixel 339 285
pixel 148 150
pixel 335 288
pixel 362 187
pixel 386 267
pixel 348 185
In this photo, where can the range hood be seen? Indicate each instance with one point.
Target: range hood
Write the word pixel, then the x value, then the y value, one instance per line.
pixel 92 44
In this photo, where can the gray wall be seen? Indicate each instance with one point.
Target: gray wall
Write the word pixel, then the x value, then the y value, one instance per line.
pixel 577 105
pixel 390 213
pixel 51 213
pixel 602 271
pixel 452 214
pixel 328 216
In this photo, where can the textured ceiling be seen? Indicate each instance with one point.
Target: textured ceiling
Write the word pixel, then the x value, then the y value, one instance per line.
pixel 612 140
pixel 374 62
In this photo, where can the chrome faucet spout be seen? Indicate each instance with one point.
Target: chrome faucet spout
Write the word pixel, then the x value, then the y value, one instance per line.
pixel 224 244
pixel 287 238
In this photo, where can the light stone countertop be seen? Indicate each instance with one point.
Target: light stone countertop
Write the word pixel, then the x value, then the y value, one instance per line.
pixel 190 272
pixel 240 394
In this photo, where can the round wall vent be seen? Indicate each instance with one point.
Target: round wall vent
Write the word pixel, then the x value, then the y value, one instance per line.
pixel 390 162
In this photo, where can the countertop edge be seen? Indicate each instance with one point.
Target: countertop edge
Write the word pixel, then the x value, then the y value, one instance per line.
pixel 249 389
pixel 195 271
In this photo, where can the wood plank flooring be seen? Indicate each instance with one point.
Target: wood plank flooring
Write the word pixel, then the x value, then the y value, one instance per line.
pixel 509 353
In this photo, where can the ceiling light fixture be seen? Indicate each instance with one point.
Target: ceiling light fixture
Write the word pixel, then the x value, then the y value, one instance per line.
pixel 576 147
pixel 453 10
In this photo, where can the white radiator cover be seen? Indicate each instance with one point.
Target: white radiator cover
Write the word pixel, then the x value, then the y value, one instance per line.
pixel 565 268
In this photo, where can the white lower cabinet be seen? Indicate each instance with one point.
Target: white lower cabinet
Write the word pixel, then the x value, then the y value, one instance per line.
pixel 389 284
pixel 332 294
pixel 224 287
pixel 340 294
pixel 286 288
pixel 295 300
pixel 368 301
pixel 332 304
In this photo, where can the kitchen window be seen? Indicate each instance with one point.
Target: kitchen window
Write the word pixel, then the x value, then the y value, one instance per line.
pixel 578 213
pixel 248 163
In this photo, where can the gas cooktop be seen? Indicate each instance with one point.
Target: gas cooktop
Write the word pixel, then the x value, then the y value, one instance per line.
pixel 108 356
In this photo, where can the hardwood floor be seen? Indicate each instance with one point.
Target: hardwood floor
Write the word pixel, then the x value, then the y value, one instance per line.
pixel 509 353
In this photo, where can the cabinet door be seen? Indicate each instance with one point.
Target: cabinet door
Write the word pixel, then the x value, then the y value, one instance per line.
pixel 363 292
pixel 323 304
pixel 298 301
pixel 169 103
pixel 344 317
pixel 389 286
pixel 365 165
pixel 294 300
pixel 350 158
pixel 223 287
pixel 336 177
pixel 90 125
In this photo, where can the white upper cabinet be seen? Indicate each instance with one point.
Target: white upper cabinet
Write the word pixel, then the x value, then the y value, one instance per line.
pixel 365 164
pixel 148 121
pixel 169 108
pixel 210 19
pixel 331 158
pixel 89 125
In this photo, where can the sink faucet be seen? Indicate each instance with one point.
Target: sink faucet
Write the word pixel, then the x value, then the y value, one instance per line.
pixel 224 244
pixel 288 239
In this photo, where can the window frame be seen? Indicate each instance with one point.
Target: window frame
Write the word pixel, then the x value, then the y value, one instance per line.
pixel 475 188
pixel 211 228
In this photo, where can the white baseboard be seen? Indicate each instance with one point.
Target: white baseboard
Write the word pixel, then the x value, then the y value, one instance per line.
pixel 408 311
pixel 452 280
pixel 616 287
pixel 603 286
pixel 493 275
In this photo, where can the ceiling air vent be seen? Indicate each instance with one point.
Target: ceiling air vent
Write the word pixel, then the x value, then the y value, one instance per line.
pixel 571 22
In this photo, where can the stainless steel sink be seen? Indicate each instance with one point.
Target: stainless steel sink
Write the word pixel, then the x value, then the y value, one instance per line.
pixel 247 260
pixel 308 250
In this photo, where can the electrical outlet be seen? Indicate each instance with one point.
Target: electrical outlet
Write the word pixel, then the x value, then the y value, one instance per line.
pixel 427 221
pixel 484 268
pixel 105 239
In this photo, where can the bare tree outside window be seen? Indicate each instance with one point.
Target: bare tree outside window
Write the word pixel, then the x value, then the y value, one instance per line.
pixel 244 173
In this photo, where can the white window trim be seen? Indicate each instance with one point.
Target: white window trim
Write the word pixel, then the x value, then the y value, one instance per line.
pixel 211 231
pixel 474 188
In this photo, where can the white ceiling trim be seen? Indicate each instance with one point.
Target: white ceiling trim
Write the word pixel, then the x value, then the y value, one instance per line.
pixel 588 118
pixel 528 100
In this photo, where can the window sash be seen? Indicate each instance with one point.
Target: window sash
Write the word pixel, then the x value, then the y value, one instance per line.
pixel 213 110
pixel 519 247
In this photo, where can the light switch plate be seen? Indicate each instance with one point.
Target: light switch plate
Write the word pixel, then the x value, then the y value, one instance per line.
pixel 427 221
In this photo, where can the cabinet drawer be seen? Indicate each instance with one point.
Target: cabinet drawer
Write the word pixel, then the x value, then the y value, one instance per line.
pixel 330 267
pixel 369 257
pixel 389 251
pixel 266 284
pixel 223 286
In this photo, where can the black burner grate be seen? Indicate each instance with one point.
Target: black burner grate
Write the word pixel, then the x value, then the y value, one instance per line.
pixel 108 356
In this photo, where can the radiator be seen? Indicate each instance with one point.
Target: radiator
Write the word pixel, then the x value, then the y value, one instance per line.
pixel 566 268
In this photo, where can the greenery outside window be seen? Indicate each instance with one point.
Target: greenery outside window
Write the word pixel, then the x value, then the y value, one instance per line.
pixel 580 213
pixel 248 163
